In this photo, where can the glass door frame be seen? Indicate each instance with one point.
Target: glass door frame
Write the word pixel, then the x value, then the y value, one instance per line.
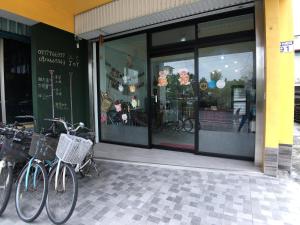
pixel 2 83
pixel 191 46
pixel 188 49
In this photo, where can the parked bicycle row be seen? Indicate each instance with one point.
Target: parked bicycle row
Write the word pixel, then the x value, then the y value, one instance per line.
pixel 44 166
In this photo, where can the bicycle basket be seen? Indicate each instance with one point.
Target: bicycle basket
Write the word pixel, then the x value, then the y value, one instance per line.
pixel 72 149
pixel 13 151
pixel 43 147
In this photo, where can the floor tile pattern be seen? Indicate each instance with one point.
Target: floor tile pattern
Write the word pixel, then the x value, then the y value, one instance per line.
pixel 127 194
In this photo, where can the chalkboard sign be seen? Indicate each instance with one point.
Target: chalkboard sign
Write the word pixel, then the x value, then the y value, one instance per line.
pixel 59 76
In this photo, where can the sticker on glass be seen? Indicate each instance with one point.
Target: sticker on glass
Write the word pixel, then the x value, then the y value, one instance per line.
pixel 212 84
pixel 203 86
pixel 184 77
pixel 162 79
pixel 220 84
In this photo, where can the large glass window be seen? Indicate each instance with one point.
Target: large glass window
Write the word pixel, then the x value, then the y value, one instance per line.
pixel 123 88
pixel 227 99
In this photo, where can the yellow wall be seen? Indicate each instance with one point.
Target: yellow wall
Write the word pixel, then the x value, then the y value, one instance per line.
pixel 57 13
pixel 279 74
pixel 272 59
pixel 286 74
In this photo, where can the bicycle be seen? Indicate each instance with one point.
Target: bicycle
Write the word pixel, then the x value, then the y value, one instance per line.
pixel 62 183
pixel 88 162
pixel 32 183
pixel 13 150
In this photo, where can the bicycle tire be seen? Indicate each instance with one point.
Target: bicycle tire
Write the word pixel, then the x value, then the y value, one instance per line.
pixel 37 172
pixel 7 186
pixel 54 194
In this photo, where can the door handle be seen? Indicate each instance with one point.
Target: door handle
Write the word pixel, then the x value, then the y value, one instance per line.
pixel 155 99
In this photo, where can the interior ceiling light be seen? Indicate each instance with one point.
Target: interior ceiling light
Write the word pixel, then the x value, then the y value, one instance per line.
pixel 222 57
pixel 226 66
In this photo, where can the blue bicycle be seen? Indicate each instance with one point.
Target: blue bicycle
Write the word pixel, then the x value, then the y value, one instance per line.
pixel 32 183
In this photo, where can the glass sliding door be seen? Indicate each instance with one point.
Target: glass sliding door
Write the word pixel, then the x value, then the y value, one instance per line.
pixel 173 101
pixel 227 99
pixel 123 91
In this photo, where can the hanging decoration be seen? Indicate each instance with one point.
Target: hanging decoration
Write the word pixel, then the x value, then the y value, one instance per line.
pixel 121 88
pixel 132 88
pixel 118 106
pixel 184 77
pixel 125 77
pixel 125 118
pixel 134 102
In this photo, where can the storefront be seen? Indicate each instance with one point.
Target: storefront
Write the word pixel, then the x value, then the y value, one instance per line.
pixel 188 86
pixel 200 76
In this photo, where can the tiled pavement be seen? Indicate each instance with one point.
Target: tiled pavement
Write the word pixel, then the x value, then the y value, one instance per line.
pixel 127 194
pixel 296 154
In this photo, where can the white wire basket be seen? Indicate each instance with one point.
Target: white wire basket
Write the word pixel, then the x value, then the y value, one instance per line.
pixel 72 149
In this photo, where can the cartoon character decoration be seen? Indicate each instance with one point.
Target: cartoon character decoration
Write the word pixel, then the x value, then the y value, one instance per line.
pixel 162 79
pixel 134 102
pixel 118 106
pixel 184 77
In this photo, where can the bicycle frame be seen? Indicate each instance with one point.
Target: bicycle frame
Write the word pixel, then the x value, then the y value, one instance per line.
pixel 48 162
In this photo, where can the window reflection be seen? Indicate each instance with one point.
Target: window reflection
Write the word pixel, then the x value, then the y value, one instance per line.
pixel 123 88
pixel 227 99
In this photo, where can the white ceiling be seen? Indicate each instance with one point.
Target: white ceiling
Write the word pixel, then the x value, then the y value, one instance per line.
pixel 17 18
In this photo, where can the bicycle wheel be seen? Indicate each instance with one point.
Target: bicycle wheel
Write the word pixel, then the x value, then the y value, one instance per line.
pixel 61 201
pixel 31 191
pixel 188 125
pixel 6 181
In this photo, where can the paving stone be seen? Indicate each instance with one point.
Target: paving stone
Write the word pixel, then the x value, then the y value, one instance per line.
pixel 127 194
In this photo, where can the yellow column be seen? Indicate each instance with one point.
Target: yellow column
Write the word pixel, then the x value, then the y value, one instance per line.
pixel 272 73
pixel 286 74
pixel 279 72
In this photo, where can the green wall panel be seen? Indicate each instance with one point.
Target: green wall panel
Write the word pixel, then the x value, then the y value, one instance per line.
pixel 59 76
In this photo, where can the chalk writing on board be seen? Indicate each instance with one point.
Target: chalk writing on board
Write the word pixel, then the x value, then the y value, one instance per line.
pixel 52 57
pixel 50 86
pixel 56 57
pixel 73 61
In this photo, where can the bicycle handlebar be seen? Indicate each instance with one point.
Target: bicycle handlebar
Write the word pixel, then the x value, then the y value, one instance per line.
pixel 14 130
pixel 69 129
